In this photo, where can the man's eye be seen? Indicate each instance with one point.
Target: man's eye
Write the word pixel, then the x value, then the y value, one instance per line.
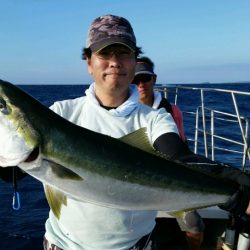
pixel 103 54
pixel 106 54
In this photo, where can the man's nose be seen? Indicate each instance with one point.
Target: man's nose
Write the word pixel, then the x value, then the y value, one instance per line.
pixel 115 60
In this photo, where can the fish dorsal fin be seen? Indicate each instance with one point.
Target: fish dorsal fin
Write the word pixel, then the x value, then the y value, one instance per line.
pixel 139 139
pixel 55 199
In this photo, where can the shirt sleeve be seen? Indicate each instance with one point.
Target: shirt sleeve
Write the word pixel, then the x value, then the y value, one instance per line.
pixel 162 124
pixel 56 108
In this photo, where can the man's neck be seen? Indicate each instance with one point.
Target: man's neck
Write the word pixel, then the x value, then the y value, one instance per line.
pixel 107 107
pixel 147 100
pixel 111 99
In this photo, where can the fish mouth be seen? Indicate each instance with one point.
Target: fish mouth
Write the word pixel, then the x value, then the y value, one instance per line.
pixel 33 155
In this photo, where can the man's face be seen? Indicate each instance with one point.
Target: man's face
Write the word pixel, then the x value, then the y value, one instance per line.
pixel 112 67
pixel 145 84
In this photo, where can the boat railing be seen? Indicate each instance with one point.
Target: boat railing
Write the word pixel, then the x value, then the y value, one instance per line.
pixel 216 131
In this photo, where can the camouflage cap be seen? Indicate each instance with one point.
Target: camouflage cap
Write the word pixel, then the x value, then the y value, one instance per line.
pixel 143 68
pixel 110 29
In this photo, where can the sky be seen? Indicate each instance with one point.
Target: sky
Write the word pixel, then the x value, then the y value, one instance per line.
pixel 190 41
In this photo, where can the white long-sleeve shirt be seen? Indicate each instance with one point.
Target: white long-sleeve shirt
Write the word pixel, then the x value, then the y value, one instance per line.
pixel 85 226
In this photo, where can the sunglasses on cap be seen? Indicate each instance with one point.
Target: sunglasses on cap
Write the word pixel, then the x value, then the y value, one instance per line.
pixel 142 78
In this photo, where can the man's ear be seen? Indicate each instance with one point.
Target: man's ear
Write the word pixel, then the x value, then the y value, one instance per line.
pixel 155 77
pixel 89 66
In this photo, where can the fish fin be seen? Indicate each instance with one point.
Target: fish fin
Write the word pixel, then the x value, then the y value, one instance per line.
pixel 178 214
pixel 55 199
pixel 139 139
pixel 182 213
pixel 64 173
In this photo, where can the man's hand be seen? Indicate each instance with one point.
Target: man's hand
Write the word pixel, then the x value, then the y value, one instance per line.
pixel 248 209
pixel 239 202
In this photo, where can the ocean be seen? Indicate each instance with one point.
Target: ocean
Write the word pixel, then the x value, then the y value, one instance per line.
pixel 24 228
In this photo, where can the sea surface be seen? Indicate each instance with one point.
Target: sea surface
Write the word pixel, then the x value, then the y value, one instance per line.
pixel 24 229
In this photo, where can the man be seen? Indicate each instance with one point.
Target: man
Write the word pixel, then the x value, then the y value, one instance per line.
pixel 145 79
pixel 111 107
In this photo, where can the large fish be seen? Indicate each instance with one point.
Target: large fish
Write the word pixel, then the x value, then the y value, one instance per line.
pixel 124 173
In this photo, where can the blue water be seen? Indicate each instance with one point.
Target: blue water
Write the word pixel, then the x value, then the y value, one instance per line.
pixel 189 100
pixel 24 229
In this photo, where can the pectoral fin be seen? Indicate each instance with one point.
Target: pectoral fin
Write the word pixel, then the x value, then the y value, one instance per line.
pixel 64 173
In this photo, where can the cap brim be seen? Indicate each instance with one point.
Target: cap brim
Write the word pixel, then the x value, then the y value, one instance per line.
pixel 96 47
pixel 144 73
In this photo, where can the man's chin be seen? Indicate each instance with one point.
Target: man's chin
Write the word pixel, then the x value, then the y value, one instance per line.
pixel 115 77
pixel 142 93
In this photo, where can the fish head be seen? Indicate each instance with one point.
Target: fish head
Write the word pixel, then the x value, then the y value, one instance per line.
pixel 18 139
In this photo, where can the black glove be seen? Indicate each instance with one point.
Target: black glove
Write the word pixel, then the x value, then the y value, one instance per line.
pixel 238 202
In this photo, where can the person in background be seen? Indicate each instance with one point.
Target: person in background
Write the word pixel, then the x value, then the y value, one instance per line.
pixel 145 79
pixel 111 107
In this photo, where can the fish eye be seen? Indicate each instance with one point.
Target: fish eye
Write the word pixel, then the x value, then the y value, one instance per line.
pixel 3 106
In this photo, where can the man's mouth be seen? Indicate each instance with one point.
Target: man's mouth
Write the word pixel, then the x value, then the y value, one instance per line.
pixel 115 73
